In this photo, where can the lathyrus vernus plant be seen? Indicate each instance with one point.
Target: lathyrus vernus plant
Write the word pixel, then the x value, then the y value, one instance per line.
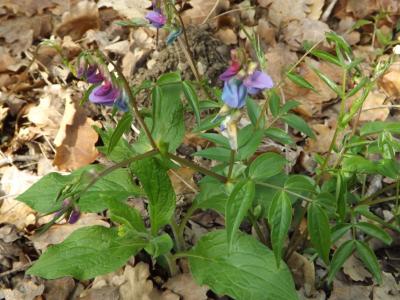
pixel 240 186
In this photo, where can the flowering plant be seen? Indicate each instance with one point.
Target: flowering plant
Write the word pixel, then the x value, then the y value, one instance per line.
pixel 243 184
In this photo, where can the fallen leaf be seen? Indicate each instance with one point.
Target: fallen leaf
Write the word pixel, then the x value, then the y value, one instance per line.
pixel 75 139
pixel 59 232
pixel 199 11
pixel 127 8
pixel 186 287
pixel 266 32
pixel 314 9
pixel 227 36
pixel 283 11
pixel 324 134
pixel 6 59
pixel 390 81
pixel 31 7
pixel 24 290
pixel 281 57
pixel 13 183
pixel 374 108
pixel 355 269
pixel 58 289
pixel 388 290
pixel 343 290
pixel 303 271
pixel 79 19
pixel 182 180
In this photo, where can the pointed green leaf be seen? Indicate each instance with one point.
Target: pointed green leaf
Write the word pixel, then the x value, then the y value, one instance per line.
pixel 254 111
pixel 298 123
pixel 369 259
pixel 236 209
pixel 318 227
pixel 124 214
pixel 326 56
pixel 278 135
pixel 274 103
pixel 300 81
pixel 329 82
pixel 192 99
pixel 375 232
pixel 122 127
pixel 279 218
pixel 159 245
pixel 341 255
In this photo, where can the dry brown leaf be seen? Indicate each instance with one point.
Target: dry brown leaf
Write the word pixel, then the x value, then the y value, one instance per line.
pixel 266 32
pixel 374 108
pixel 199 11
pixel 127 8
pixel 324 134
pixel 343 290
pixel 31 7
pixel 59 289
pixel 284 11
pixel 81 17
pixel 355 269
pixel 388 290
pixel 24 290
pixel 59 232
pixel 182 180
pixel 3 115
pixel 314 9
pixel 297 32
pixel 390 81
pixel 47 114
pixel 75 139
pixel 13 183
pixel 303 271
pixel 279 57
pixel 6 60
pixel 227 36
pixel 186 287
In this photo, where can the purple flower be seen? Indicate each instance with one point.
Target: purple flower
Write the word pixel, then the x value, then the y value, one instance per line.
pixel 122 101
pixel 91 74
pixel 234 93
pixel 232 70
pixel 105 94
pixel 156 18
pixel 74 216
pixel 257 82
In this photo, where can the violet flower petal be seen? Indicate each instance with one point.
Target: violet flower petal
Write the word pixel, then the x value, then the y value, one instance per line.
pixel 74 216
pixel 258 81
pixel 157 19
pixel 104 94
pixel 232 70
pixel 93 75
pixel 234 93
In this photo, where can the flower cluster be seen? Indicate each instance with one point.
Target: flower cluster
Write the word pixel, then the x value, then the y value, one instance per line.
pixel 238 83
pixel 107 92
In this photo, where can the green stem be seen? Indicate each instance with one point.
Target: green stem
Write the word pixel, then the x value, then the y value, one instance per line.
pixel 196 167
pixel 171 261
pixel 257 228
pixel 231 163
pixel 377 201
pixel 180 242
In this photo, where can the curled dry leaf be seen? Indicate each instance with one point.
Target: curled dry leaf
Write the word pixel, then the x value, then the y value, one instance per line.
pixel 75 139
pixel 13 183
pixel 354 268
pixel 81 17
pixel 303 272
pixel 184 286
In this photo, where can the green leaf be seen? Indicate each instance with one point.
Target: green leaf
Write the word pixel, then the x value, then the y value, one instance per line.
pixel 216 138
pixel 379 126
pixel 254 111
pixel 248 272
pixel 329 82
pixel 236 209
pixel 215 153
pixel 159 245
pixel 326 56
pixel 192 99
pixel 341 255
pixel 159 190
pixel 358 87
pixel 124 214
pixel 369 259
pixel 274 103
pixel 375 232
pixel 318 227
pixel 249 139
pixel 300 184
pixel 168 125
pixel 298 123
pixel 86 253
pixel 122 127
pixel 289 105
pixel 278 135
pixel 279 218
pixel 360 23
pixel 300 81
pixel 339 41
pixel 116 186
pixel 266 165
pixel 338 231
pixel 212 195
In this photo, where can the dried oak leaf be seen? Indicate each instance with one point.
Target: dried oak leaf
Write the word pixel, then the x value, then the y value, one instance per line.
pixel 390 81
pixel 81 17
pixel 186 287
pixel 75 139
pixel 299 31
pixel 127 8
pixel 13 183
pixel 303 271
pixel 374 108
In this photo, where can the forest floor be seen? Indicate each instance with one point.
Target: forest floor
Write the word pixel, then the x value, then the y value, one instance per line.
pixel 43 131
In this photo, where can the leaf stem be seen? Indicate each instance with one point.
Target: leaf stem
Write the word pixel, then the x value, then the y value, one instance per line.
pixel 231 163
